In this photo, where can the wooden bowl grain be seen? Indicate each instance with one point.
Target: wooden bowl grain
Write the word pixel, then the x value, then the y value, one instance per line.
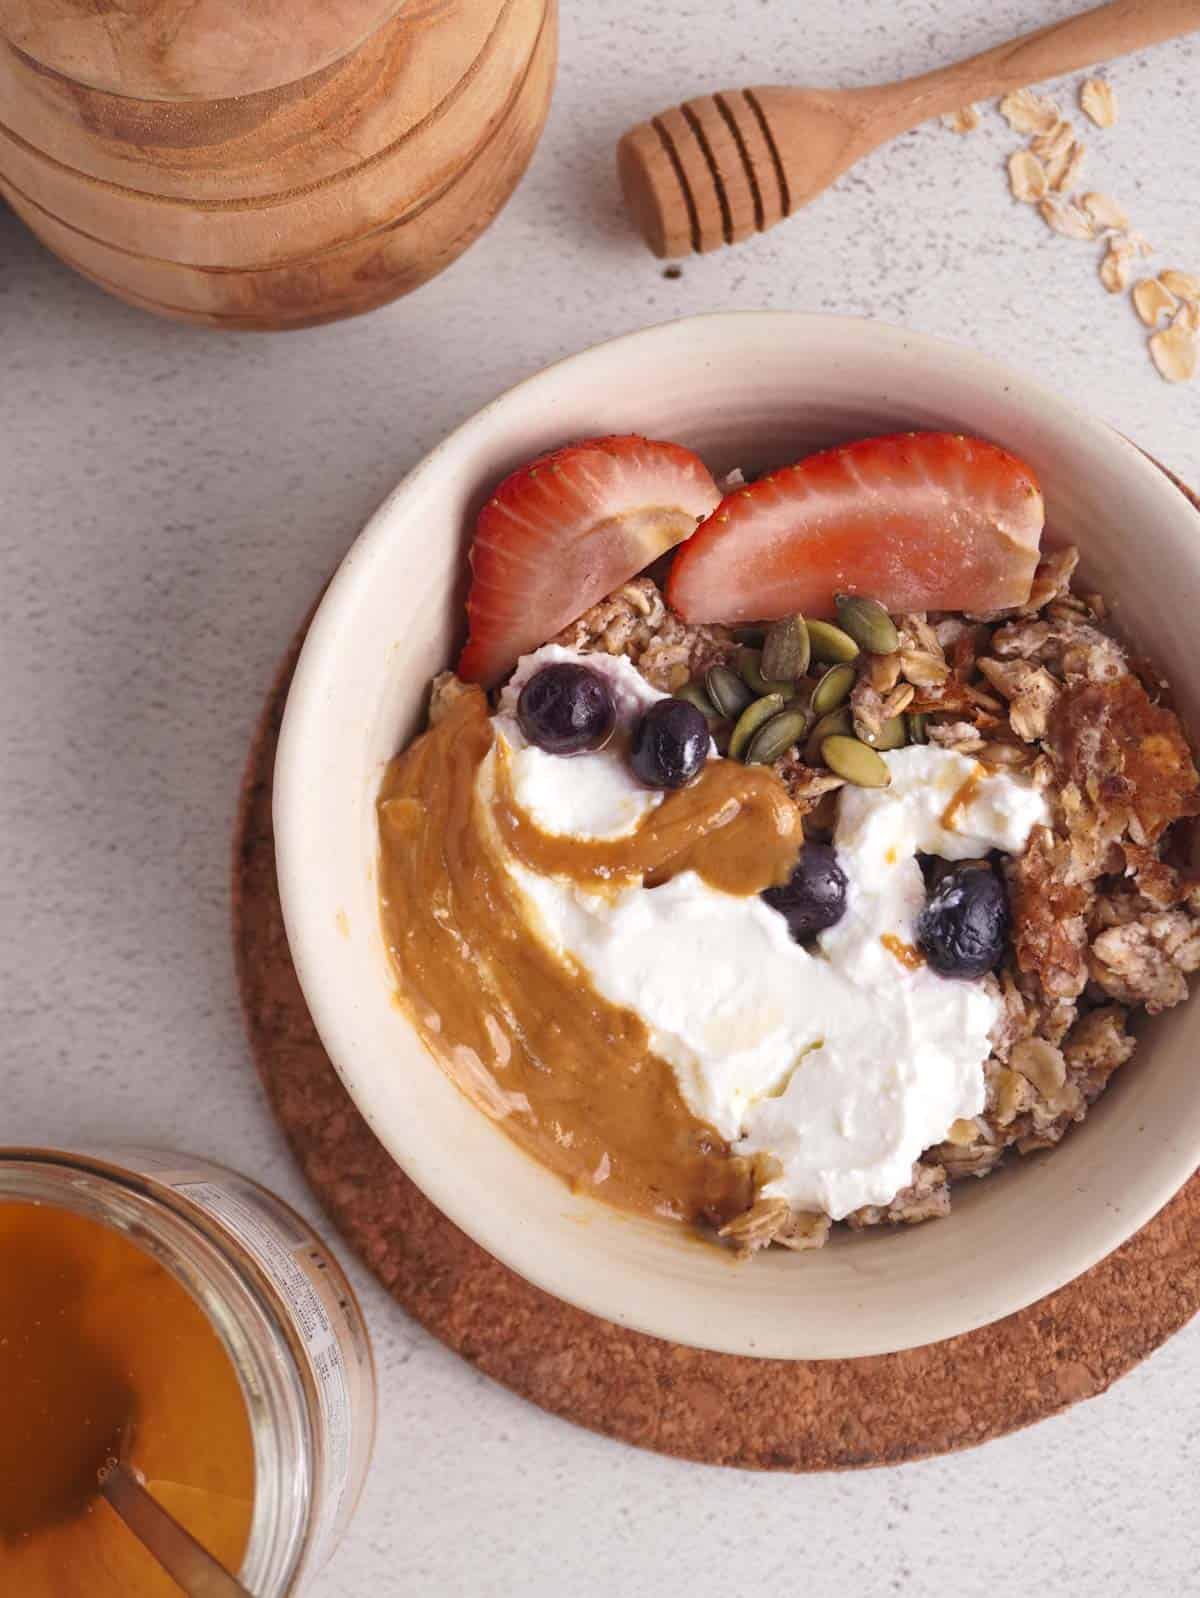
pixel 174 170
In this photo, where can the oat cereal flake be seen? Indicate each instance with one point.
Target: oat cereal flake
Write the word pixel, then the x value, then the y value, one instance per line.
pixel 1098 100
pixel 1116 263
pixel 1026 112
pixel 1067 218
pixel 1174 352
pixel 1045 174
pixel 1184 284
pixel 1104 211
pixel 1072 169
pixel 1153 301
pixel 1027 177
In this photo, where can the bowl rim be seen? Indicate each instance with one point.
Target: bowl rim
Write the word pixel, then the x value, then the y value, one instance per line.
pixel 308 927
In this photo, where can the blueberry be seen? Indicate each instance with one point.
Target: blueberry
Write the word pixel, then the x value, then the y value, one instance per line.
pixel 670 744
pixel 566 709
pixel 814 896
pixel 963 929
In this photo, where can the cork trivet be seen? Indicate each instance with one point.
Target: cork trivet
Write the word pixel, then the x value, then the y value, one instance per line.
pixel 716 1408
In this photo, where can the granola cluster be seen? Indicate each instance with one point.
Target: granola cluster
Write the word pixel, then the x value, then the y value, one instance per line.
pixel 1105 911
pixel 635 622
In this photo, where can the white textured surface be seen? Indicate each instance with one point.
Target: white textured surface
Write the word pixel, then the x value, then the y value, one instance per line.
pixel 170 501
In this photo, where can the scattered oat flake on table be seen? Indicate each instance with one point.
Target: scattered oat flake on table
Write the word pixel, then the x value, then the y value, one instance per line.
pixel 1026 177
pixel 1114 268
pixel 1063 163
pixel 1188 317
pixel 1065 217
pixel 1185 284
pixel 1026 112
pixel 1098 100
pixel 1174 351
pixel 1151 300
pixel 1104 211
pixel 964 120
pixel 1068 176
pixel 1055 143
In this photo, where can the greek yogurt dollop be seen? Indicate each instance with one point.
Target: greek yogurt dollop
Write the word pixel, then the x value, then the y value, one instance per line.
pixel 844 1063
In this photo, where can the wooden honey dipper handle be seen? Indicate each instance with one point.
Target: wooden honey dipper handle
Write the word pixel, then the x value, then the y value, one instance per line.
pixel 716 169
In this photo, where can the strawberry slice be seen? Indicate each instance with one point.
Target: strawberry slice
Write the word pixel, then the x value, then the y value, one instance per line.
pixel 564 531
pixel 918 521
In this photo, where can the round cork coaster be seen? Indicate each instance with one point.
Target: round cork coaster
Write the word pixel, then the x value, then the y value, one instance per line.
pixel 715 1408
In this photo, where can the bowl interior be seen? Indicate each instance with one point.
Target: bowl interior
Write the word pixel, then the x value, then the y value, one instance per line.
pixel 750 390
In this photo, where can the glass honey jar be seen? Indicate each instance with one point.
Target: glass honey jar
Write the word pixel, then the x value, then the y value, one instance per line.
pixel 165 1308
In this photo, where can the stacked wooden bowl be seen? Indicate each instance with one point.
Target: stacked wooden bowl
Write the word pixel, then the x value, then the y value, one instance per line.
pixel 267 166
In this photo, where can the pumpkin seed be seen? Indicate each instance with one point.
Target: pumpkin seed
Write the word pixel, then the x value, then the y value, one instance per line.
pixel 836 721
pixel 776 737
pixel 693 693
pixel 750 635
pixel 856 762
pixel 786 652
pixel 918 727
pixel 833 722
pixel 868 623
pixel 833 689
pixel 750 720
pixel 749 663
pixel 892 735
pixel 727 691
pixel 830 643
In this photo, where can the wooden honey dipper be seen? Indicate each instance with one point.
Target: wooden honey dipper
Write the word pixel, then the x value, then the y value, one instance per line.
pixel 715 170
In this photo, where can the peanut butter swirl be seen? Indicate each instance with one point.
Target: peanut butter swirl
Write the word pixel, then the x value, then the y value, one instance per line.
pixel 734 826
pixel 520 1029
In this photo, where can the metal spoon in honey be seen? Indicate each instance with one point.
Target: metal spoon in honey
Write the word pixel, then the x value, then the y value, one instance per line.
pixel 190 1566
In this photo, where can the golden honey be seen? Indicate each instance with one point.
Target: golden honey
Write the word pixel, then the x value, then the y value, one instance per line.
pixel 165 1310
pixel 103 1351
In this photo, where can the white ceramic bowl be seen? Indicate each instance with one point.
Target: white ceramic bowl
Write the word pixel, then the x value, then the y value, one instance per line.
pixel 752 390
